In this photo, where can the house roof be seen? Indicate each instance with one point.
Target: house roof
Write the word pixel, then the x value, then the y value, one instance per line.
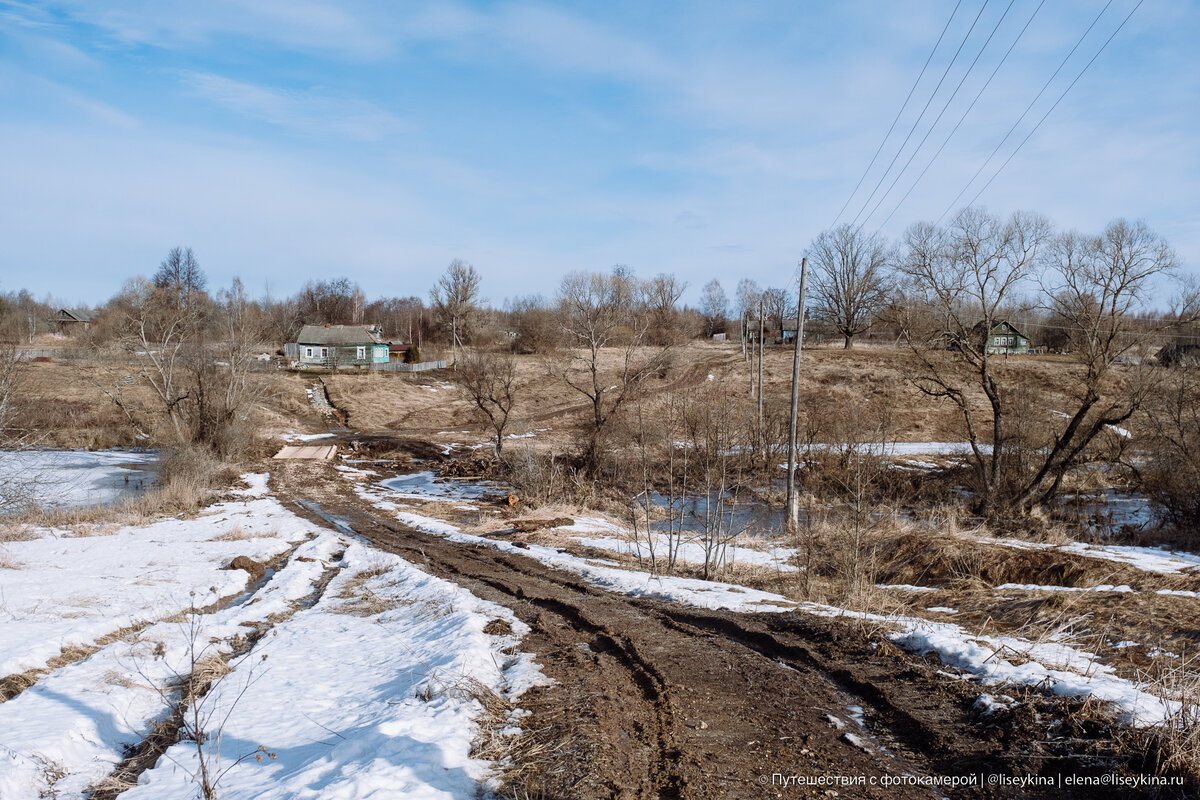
pixel 999 325
pixel 339 334
pixel 76 314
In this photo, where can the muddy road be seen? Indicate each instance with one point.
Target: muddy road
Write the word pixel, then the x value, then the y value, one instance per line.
pixel 657 700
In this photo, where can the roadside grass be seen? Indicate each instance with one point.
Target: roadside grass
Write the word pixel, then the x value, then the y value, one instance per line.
pixel 13 685
pixel 1174 746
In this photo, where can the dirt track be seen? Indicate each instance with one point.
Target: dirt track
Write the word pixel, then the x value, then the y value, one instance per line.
pixel 655 700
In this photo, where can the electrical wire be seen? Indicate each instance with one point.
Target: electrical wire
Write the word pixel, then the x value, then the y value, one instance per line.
pixel 1025 113
pixel 941 113
pixel 961 119
pixel 1056 102
pixel 903 106
pixel 921 116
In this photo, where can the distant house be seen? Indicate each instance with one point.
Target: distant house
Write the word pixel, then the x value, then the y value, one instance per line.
pixel 340 346
pixel 773 331
pixel 1004 339
pixel 1179 355
pixel 68 319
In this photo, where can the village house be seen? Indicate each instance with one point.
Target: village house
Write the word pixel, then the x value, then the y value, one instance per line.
pixel 70 319
pixel 339 346
pixel 1004 339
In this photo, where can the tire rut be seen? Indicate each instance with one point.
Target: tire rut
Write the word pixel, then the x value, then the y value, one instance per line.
pixel 600 639
pixel 678 702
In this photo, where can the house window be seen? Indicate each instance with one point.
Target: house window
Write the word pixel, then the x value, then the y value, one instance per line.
pixel 308 352
pixel 362 353
pixel 324 352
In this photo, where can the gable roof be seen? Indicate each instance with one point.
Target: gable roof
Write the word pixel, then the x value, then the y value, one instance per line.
pixel 998 327
pixel 339 334
pixel 74 315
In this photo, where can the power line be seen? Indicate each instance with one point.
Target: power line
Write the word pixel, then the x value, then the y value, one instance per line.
pixel 921 116
pixel 961 119
pixel 941 113
pixel 1056 102
pixel 1024 113
pixel 879 149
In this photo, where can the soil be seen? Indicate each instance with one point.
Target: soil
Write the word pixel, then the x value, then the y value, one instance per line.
pixel 655 700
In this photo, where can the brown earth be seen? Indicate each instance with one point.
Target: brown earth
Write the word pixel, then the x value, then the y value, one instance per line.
pixel 655 700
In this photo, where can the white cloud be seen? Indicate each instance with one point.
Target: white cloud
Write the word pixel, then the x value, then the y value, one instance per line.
pixel 305 112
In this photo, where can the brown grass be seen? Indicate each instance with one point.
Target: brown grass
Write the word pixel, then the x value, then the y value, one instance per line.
pixel 13 685
pixel 363 601
pixel 240 534
pixel 1175 745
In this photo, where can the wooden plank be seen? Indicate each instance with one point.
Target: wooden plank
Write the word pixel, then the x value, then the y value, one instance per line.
pixel 317 452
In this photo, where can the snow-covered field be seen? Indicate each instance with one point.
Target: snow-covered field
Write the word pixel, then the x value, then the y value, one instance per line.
pixel 71 478
pixel 366 677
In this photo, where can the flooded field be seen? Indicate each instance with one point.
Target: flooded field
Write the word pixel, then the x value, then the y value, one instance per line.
pixel 73 478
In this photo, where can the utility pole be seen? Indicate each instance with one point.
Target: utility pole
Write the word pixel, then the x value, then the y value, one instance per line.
pixel 760 372
pixel 793 505
pixel 742 334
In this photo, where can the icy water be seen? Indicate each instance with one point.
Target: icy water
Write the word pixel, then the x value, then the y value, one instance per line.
pixel 73 478
pixel 426 486
pixel 753 518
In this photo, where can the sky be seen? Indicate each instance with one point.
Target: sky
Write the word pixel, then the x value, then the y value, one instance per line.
pixel 303 139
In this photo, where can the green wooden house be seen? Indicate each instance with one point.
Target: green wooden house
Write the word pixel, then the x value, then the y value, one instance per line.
pixel 1004 339
pixel 341 346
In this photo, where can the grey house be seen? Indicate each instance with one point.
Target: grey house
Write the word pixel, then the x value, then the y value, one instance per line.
pixel 340 346
pixel 68 319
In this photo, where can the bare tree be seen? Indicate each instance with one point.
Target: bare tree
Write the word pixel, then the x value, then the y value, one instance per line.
pixel 337 301
pixel 776 305
pixel 598 311
pixel 1095 286
pixel 180 276
pixel 850 283
pixel 490 380
pixel 157 331
pixel 748 295
pixel 455 301
pixel 661 296
pixel 283 319
pixel 968 274
pixel 714 305
pixel 533 325
pixel 1171 440
pixel 221 388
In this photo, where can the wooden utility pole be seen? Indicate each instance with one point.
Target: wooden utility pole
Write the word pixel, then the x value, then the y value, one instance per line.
pixel 793 504
pixel 760 372
pixel 742 334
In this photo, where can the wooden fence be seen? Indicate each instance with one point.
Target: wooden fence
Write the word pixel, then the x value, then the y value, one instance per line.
pixel 400 366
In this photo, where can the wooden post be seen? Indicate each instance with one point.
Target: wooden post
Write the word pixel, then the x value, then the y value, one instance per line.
pixel 793 504
pixel 760 373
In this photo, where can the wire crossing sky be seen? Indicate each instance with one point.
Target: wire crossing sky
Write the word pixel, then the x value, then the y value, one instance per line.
pixel 315 139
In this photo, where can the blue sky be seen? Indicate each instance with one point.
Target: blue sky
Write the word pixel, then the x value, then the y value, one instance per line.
pixel 304 139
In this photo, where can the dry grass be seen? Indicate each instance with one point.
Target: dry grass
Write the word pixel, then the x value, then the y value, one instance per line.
pixel 13 685
pixel 390 401
pixel 1176 743
pixel 364 601
pixel 239 534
